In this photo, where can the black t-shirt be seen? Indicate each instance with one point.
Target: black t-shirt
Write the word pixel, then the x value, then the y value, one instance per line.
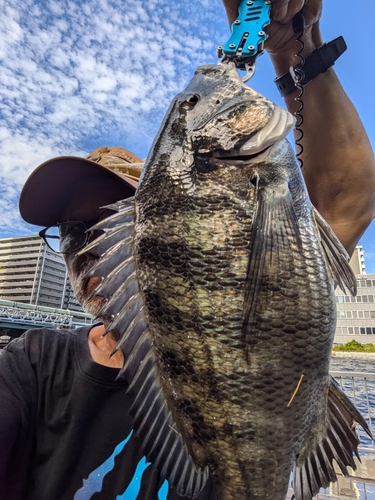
pixel 65 433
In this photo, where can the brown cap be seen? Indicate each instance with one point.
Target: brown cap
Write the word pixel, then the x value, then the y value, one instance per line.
pixel 72 188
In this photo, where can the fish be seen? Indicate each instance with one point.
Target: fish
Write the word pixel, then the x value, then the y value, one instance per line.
pixel 218 277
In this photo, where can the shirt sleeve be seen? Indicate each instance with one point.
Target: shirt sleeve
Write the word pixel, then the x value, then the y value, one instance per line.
pixel 17 412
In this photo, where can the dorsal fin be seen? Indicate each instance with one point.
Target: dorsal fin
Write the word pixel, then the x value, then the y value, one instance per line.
pixel 153 422
pixel 337 256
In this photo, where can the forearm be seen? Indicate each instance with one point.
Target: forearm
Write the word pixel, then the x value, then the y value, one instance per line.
pixel 338 162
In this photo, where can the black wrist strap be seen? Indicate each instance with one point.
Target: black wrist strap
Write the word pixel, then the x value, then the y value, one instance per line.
pixel 318 62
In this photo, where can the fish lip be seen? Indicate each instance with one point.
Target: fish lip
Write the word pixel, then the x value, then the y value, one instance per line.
pixel 275 130
pixel 222 156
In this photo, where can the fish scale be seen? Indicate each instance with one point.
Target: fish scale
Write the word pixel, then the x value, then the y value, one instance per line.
pixel 224 405
pixel 230 319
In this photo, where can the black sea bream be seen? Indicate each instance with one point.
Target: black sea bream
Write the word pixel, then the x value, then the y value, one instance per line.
pixel 220 279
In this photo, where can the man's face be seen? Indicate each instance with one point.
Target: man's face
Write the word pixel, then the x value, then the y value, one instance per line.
pixel 79 265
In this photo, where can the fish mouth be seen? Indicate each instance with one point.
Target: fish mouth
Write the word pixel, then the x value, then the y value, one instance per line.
pixel 259 144
pixel 225 156
pixel 276 129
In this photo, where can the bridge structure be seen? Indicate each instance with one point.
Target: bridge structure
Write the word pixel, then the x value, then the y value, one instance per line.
pixel 17 317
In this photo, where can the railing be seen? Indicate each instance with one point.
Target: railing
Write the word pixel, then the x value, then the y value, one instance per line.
pixel 32 315
pixel 360 387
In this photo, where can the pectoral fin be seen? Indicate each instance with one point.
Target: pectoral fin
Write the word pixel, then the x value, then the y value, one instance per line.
pixel 274 245
pixel 338 442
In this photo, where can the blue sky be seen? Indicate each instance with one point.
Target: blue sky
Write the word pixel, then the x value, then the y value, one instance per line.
pixel 76 75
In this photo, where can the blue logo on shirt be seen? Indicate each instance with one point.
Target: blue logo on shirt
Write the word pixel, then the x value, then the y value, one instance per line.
pixel 94 482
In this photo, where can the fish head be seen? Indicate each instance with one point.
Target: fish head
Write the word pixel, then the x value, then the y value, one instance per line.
pixel 217 126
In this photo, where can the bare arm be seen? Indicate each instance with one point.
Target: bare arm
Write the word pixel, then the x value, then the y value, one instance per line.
pixel 339 164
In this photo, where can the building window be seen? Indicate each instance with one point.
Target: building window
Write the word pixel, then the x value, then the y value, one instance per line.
pixel 363 331
pixel 362 283
pixel 369 331
pixel 360 314
pixel 352 299
pixel 351 330
pixel 344 330
pixel 338 330
pixel 348 314
pixel 368 283
pixel 355 314
pixel 342 314
pixel 372 314
pixel 371 298
pixel 356 330
pixel 347 298
pixel 359 298
pixel 341 299
pixel 364 298
pixel 367 314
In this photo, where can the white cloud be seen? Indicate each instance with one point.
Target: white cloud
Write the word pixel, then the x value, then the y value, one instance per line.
pixel 21 152
pixel 77 75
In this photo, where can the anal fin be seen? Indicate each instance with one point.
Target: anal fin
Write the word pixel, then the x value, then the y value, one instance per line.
pixel 339 442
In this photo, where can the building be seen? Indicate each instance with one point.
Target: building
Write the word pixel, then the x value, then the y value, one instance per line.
pixel 357 261
pixel 31 273
pixel 356 315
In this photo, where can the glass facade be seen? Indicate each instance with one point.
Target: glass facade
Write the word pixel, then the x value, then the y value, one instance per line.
pixel 31 273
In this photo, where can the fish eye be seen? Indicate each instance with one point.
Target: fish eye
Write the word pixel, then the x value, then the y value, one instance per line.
pixel 190 102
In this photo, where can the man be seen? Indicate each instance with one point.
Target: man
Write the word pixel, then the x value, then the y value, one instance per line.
pixel 65 432
pixel 64 429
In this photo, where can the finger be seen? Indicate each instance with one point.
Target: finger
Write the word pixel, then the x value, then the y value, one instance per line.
pixel 294 7
pixel 279 9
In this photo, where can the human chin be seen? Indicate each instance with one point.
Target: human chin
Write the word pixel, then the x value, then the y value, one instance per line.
pixel 83 290
pixel 93 306
pixel 84 287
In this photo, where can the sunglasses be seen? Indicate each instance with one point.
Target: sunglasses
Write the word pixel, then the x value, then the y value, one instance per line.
pixel 71 236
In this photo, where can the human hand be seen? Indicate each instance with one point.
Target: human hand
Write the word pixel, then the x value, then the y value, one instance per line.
pixel 281 39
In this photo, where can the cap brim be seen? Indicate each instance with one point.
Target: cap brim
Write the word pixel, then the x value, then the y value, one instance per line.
pixel 63 187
